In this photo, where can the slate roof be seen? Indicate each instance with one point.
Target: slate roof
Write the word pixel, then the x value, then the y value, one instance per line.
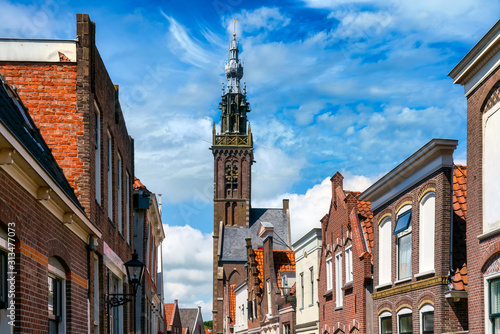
pixel 233 238
pixel 188 317
pixel 14 115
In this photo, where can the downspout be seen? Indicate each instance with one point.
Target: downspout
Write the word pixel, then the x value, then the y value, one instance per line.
pixel 451 224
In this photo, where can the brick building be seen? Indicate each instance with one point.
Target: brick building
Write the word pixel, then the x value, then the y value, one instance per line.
pixel 479 73
pixel 73 101
pixel 269 310
pixel 307 258
pixel 43 230
pixel 345 277
pixel 234 219
pixel 418 243
pixel 148 238
pixel 173 318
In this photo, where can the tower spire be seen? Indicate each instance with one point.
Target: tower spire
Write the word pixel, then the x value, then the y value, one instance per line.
pixel 234 68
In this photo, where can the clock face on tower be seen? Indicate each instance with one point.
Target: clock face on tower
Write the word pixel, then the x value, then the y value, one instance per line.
pixel 231 174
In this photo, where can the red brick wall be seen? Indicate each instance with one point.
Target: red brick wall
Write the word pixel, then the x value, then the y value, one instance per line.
pixel 479 252
pixel 337 236
pixel 448 315
pixel 39 236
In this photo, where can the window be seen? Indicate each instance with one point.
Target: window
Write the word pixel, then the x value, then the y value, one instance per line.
pixel 115 286
pixel 405 325
pixel 427 227
pixel 311 275
pixel 386 323
pixel 329 278
pixel 255 308
pixel 127 206
pixel 286 328
pixel 120 194
pixel 3 280
pixel 97 153
pixel 110 177
pixel 268 288
pixel 284 280
pixel 384 254
pixel 491 159
pixel 96 294
pixel 302 290
pixel 494 304
pixel 403 231
pixel 56 296
pixel 348 264
pixel 427 319
pixel 338 279
pixel 250 310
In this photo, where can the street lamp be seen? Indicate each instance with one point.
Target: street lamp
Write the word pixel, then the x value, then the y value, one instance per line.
pixel 135 271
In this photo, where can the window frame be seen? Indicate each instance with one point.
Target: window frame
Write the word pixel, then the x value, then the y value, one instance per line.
pixel 381 317
pixel 127 205
pixel 97 153
pixel 329 272
pixel 120 194
pixel 426 261
pixel 56 273
pixel 492 316
pixel 426 309
pixel 403 313
pixel 110 175
pixel 486 203
pixel 399 236
pixel 385 251
pixel 302 299
pixel 339 300
pixel 311 276
pixel 349 274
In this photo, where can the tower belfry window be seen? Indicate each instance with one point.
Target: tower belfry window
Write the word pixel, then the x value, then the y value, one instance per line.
pixel 231 176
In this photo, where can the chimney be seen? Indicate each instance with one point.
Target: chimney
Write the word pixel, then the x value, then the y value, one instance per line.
pixel 286 205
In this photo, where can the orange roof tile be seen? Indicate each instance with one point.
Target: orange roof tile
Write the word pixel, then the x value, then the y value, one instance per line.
pixel 460 191
pixel 232 304
pixel 460 280
pixel 169 312
pixel 138 185
pixel 364 209
pixel 284 260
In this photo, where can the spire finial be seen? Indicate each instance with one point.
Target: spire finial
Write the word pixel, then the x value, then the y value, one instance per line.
pixel 234 68
pixel 234 27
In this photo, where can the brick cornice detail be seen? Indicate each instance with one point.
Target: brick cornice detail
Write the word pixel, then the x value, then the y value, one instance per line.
pixel 440 280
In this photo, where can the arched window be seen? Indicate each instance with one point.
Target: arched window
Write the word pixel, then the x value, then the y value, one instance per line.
pixel 385 322
pixel 427 208
pixel 57 296
pixel 403 233
pixel 427 319
pixel 491 160
pixel 405 321
pixel 384 254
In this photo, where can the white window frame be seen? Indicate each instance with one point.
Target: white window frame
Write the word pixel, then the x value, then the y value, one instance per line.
pixel 311 277
pixel 120 194
pixel 348 264
pixel 427 228
pixel 424 309
pixel 385 314
pixel 97 153
pixel 302 302
pixel 110 176
pixel 488 325
pixel 60 274
pixel 339 301
pixel 385 252
pixel 329 271
pixel 403 311
pixel 96 293
pixel 491 217
pixel 400 235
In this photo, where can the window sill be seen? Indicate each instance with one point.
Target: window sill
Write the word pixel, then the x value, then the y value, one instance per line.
pixel 403 280
pixel 489 233
pixel 348 285
pixel 425 273
pixel 338 308
pixel 384 285
pixel 328 293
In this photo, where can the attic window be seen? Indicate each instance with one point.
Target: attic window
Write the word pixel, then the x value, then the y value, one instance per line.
pixel 403 222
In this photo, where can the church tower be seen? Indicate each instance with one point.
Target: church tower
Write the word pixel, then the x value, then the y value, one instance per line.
pixel 232 148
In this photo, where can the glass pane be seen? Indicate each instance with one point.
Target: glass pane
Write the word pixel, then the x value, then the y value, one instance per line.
pixel 496 323
pixel 53 327
pixel 428 322
pixel 403 222
pixel 495 296
pixel 386 325
pixel 404 256
pixel 405 324
pixel 51 295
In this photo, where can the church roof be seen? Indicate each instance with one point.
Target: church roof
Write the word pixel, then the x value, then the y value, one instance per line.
pixel 233 238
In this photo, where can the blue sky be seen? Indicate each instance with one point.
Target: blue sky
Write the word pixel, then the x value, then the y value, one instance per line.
pixel 354 86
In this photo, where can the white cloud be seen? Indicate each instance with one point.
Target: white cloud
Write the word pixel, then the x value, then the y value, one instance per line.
pixel 187 262
pixel 265 18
